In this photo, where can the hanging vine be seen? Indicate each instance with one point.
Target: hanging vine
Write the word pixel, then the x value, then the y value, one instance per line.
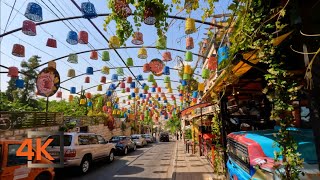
pixel 258 23
pixel 216 141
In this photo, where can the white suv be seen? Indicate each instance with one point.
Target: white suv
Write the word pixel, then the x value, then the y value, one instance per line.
pixel 81 149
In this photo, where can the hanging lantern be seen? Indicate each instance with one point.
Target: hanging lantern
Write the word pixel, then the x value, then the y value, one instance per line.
pixel 149 16
pixel 156 96
pixel 166 56
pixel 161 42
pixel 109 93
pixel 88 95
pixel 122 85
pixel 166 79
pixel 29 28
pixel 168 85
pixel 186 76
pixel 18 50
pixel 166 70
pixel 154 84
pixel 189 43
pixel 133 85
pixel 82 101
pixel 142 53
pixel 33 12
pixel 114 42
pixel 108 104
pixel 114 77
pixel 143 85
pixel 105 56
pixel 89 104
pixel 112 86
pixel 205 73
pixel 88 10
pixel 127 89
pixel 129 62
pixel 136 90
pixel 150 78
pixel 73 58
pixel 140 77
pixel 70 98
pixel 52 43
pixel 194 94
pixel 169 90
pixel 94 55
pixel 183 83
pixel 187 69
pixel 137 38
pixel 83 37
pixel 201 87
pixel 190 26
pixel 13 72
pixel 145 91
pixel 72 38
pixel 212 63
pixel 158 89
pixel 103 79
pixel 99 87
pixel 129 79
pixel 123 90
pixel 52 64
pixel 146 68
pixel 105 70
pixel 59 94
pixel 120 71
pixel 87 79
pixel 71 73
pixel 89 71
pixel 223 54
pixel 146 87
pixel 189 56
pixel 153 89
pixel 133 95
pixel 73 90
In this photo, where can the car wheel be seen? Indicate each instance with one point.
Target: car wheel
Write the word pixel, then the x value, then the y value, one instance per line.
pixel 43 176
pixel 111 156
pixel 85 164
pixel 125 151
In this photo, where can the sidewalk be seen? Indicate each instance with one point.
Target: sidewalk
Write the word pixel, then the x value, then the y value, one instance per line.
pixel 191 166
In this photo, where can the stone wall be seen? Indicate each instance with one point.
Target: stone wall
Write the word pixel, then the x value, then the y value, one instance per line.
pixel 21 134
pixel 105 132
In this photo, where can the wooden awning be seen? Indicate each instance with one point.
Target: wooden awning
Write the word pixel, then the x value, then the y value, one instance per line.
pixel 191 108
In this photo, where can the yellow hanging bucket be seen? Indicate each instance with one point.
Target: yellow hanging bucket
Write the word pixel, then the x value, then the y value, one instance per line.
pixel 82 101
pixel 142 53
pixel 200 86
pixel 109 104
pixel 187 69
pixel 114 42
pixel 190 26
pixel 99 88
pixel 70 98
pixel 170 90
pixel 136 90
pixel 105 70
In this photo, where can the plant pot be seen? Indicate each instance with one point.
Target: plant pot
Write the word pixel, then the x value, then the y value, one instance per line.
pixel 149 16
pixel 122 8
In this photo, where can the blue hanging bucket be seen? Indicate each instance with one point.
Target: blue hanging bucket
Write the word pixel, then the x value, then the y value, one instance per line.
pixel 140 77
pixel 114 77
pixel 166 70
pixel 183 82
pixel 133 85
pixel 141 95
pixel 153 89
pixel 19 83
pixel 89 70
pixel 88 10
pixel 33 12
pixel 143 85
pixel 89 104
pixel 112 87
pixel 195 94
pixel 109 93
pixel 72 38
pixel 73 90
pixel 223 54
pixel 133 95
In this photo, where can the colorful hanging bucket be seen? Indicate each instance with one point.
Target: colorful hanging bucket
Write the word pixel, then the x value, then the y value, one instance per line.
pixel 166 79
pixel 223 54
pixel 103 79
pixel 142 53
pixel 33 12
pixel 29 28
pixel 114 77
pixel 189 43
pixel 205 73
pixel 52 64
pixel 70 98
pixel 94 55
pixel 87 79
pixel 18 50
pixel 71 73
pixel 72 38
pixel 13 71
pixel 114 42
pixel 137 38
pixel 88 10
pixel 89 71
pixel 166 56
pixel 99 87
pixel 83 37
pixel 150 78
pixel 200 86
pixel 189 57
pixel 105 56
pixel 140 77
pixel 161 42
pixel 73 58
pixel 146 68
pixel 166 70
pixel 120 71
pixel 190 26
pixel 52 43
pixel 129 79
pixel 212 63
pixel 129 62
pixel 105 70
pixel 187 69
pixel 186 76
pixel 73 90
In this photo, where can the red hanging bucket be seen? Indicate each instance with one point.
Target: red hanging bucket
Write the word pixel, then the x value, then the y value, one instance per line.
pixel 87 80
pixel 18 50
pixel 103 79
pixel 83 37
pixel 29 28
pixel 13 72
pixel 52 43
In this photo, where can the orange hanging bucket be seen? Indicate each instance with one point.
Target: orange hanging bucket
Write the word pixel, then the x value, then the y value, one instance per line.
pixel 189 43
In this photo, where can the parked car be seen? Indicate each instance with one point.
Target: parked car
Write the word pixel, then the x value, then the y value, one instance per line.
pixel 246 150
pixel 164 137
pixel 11 165
pixel 81 149
pixel 149 138
pixel 123 144
pixel 139 140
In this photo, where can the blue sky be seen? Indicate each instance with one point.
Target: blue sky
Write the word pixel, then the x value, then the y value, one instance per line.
pixel 36 45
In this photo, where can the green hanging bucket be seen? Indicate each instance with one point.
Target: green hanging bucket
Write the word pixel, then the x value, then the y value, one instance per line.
pixel 181 88
pixel 129 62
pixel 100 100
pixel 161 42
pixel 189 57
pixel 146 87
pixel 129 97
pixel 123 91
pixel 73 58
pixel 120 71
pixel 205 73
pixel 105 56
pixel 150 78
pixel 186 76
pixel 166 79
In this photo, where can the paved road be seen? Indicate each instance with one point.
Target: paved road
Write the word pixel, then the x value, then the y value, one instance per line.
pixel 155 161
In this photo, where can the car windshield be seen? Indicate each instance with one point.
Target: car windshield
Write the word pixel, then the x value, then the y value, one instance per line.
pixel 117 138
pixel 56 140
pixel 135 137
pixel 147 135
